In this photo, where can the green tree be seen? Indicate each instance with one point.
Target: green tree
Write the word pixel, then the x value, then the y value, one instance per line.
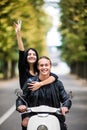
pixel 74 30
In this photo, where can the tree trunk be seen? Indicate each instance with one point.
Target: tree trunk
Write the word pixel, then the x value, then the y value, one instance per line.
pixel 13 67
pixel 5 70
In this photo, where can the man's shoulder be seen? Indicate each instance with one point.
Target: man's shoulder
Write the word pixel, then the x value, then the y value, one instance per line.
pixel 31 79
pixel 58 81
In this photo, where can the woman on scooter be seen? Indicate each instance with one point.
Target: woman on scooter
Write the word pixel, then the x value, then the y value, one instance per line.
pixel 28 63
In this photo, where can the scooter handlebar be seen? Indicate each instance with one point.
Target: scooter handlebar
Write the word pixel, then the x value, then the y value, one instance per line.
pixel 43 109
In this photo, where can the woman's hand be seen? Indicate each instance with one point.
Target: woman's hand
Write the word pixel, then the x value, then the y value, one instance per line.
pixel 34 85
pixel 17 26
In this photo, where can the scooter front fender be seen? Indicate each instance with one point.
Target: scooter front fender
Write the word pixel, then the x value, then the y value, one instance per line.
pixel 45 121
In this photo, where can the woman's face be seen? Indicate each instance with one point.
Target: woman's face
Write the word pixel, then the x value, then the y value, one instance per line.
pixel 31 57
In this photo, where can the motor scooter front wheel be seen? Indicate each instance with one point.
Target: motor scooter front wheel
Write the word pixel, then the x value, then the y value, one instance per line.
pixel 42 127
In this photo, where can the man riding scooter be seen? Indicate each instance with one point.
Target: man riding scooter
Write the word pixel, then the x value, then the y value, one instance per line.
pixel 53 94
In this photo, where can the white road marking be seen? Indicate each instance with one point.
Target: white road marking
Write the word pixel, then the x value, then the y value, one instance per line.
pixel 7 114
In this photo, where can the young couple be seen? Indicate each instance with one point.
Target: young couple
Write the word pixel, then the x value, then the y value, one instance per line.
pixel 50 89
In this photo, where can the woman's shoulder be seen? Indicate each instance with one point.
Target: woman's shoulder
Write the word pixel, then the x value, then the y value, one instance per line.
pixel 21 52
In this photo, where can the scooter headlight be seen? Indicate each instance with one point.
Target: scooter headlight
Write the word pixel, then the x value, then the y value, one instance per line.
pixel 42 127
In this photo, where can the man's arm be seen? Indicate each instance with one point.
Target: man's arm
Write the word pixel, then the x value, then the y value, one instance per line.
pixel 21 102
pixel 19 105
pixel 64 98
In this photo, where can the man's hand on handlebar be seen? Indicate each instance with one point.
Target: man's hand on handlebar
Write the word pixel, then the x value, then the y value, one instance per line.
pixel 64 110
pixel 22 108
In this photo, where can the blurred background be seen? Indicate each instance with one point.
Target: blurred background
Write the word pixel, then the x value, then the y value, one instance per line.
pixel 57 28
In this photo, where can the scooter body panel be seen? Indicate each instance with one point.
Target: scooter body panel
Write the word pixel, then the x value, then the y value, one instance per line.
pixel 50 122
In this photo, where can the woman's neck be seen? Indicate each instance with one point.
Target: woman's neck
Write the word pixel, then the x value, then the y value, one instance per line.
pixel 31 70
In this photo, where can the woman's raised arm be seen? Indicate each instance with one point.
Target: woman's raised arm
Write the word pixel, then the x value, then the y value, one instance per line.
pixel 17 27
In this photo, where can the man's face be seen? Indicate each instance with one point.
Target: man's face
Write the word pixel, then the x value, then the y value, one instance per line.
pixel 44 66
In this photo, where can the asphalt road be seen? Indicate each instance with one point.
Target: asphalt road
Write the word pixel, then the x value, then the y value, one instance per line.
pixel 76 119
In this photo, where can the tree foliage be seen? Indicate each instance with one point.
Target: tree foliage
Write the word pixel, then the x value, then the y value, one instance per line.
pixel 74 30
pixel 34 27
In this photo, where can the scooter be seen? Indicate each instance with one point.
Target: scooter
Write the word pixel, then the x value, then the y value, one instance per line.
pixel 43 116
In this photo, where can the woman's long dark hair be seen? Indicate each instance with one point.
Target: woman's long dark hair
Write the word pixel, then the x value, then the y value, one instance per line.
pixel 35 64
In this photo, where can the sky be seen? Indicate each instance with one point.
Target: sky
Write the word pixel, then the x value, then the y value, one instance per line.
pixel 53 36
